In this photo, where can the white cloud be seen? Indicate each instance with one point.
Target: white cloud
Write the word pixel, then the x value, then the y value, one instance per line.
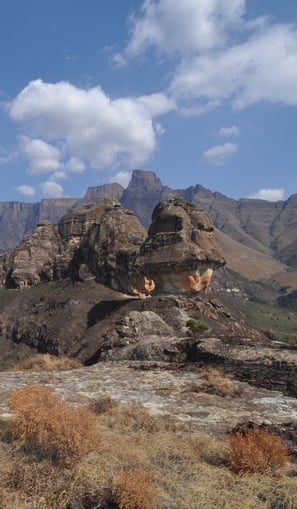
pixel 58 175
pixel 42 157
pixel 86 125
pixel 226 132
pixel 181 28
pixel 75 165
pixel 268 194
pixel 122 177
pixel 156 104
pixel 220 55
pixel 52 189
pixel 118 60
pixel 218 155
pixel 262 68
pixel 5 157
pixel 159 128
pixel 27 191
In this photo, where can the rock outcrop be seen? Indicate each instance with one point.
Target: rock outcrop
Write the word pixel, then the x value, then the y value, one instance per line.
pixel 107 242
pixel 180 252
pixel 33 261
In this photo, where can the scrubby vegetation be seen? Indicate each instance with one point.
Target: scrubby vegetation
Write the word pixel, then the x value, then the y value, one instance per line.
pixel 50 428
pixel 215 382
pixel 256 450
pixel 63 457
pixel 196 327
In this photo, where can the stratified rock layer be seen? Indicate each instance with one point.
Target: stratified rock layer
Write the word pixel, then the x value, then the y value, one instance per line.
pixel 33 261
pixel 105 241
pixel 180 252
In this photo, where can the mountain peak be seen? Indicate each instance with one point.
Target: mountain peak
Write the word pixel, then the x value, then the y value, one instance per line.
pixel 145 180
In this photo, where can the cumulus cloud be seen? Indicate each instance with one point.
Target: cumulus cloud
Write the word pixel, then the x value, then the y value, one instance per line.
pixel 42 157
pixel 85 127
pixel 220 54
pixel 26 190
pixel 122 177
pixel 218 155
pixel 226 132
pixel 262 68
pixel 58 175
pixel 52 189
pixel 201 26
pixel 75 165
pixel 275 194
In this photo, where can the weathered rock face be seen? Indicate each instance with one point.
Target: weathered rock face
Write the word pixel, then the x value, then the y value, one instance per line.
pixel 32 262
pixel 180 252
pixel 108 249
pixel 103 240
pixel 104 191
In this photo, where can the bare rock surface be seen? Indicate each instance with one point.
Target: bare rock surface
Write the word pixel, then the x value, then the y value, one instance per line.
pixel 172 393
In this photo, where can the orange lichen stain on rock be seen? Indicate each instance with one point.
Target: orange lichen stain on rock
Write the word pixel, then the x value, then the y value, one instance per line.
pixel 142 286
pixel 198 282
pixel 193 282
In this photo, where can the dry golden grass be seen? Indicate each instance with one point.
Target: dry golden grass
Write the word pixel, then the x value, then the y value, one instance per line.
pixel 46 362
pixel 50 427
pixel 214 382
pixel 256 450
pixel 140 454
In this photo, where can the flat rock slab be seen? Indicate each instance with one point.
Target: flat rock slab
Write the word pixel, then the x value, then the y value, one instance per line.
pixel 173 393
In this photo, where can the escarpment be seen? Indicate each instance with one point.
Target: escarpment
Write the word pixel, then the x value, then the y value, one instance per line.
pixel 105 241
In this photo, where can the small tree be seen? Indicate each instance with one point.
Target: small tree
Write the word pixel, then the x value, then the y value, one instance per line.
pixel 196 327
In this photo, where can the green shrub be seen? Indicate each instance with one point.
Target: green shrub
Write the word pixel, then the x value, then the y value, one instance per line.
pixel 196 327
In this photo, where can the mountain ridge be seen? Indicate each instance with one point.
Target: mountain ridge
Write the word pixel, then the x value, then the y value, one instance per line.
pixel 268 228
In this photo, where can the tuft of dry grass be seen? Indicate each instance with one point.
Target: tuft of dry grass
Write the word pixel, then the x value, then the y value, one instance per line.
pixel 256 450
pixel 214 382
pixel 136 489
pixel 46 362
pixel 102 405
pixel 50 427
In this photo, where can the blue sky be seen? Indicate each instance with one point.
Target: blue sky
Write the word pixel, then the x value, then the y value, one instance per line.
pixel 199 91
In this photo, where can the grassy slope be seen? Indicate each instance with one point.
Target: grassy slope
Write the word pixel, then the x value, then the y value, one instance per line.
pixel 281 322
pixel 250 263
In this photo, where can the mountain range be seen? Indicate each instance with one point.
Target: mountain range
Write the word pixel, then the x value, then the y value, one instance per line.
pixel 258 237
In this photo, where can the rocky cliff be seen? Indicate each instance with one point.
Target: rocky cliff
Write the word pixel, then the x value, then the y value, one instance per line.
pixel 18 219
pixel 266 228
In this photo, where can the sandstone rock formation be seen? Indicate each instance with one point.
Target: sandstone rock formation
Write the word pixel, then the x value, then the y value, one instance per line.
pixel 105 241
pixel 180 252
pixel 33 261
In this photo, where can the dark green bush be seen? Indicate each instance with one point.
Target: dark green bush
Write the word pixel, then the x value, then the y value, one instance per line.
pixel 196 327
